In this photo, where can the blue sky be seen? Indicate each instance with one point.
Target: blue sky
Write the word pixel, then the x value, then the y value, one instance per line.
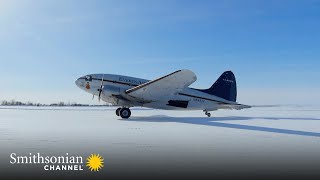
pixel 273 46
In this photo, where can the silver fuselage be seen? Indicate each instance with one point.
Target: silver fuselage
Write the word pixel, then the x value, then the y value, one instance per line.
pixel 116 85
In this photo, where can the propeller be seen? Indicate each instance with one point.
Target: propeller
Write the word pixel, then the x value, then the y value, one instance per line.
pixel 100 89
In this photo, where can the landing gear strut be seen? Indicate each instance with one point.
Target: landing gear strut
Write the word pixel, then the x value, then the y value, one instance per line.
pixel 124 113
pixel 207 113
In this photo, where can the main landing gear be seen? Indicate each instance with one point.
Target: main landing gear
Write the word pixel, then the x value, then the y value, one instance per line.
pixel 207 113
pixel 124 112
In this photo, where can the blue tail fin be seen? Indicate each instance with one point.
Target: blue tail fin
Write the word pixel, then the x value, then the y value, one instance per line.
pixel 225 87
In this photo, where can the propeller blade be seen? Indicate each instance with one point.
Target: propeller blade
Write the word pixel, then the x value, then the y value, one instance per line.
pixel 99 95
pixel 101 86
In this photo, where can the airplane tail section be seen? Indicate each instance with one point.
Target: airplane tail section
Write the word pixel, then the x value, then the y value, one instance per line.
pixel 225 87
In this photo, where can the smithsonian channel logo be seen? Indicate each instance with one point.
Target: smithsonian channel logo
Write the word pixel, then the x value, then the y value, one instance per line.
pixel 93 162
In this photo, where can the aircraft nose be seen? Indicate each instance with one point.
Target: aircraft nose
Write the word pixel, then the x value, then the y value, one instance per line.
pixel 78 81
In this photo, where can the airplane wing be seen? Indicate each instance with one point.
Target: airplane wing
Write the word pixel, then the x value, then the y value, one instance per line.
pixel 163 86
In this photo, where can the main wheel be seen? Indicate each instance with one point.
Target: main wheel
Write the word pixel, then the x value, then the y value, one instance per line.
pixel 125 113
pixel 118 111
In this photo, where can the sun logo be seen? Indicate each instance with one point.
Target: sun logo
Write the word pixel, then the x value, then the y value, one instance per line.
pixel 95 162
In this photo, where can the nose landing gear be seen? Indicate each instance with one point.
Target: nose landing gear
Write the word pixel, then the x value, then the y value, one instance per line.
pixel 123 112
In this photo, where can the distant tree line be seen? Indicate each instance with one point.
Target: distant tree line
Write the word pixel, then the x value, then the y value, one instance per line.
pixel 19 103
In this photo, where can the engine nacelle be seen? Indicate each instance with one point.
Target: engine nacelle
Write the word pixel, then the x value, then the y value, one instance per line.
pixel 113 94
pixel 110 91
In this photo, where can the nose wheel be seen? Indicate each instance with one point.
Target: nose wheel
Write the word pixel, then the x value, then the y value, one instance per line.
pixel 124 113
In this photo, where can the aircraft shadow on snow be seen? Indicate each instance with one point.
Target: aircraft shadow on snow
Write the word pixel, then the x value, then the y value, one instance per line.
pixel 218 122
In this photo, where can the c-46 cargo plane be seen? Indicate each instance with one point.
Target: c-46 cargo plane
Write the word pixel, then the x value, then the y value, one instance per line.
pixel 170 92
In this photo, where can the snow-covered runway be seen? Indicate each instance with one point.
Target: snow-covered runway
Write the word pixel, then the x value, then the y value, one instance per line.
pixel 270 140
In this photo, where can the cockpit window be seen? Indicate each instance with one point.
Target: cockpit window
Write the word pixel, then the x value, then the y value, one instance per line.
pixel 88 78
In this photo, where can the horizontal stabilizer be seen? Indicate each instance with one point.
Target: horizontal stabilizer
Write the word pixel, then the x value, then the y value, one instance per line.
pixel 235 106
